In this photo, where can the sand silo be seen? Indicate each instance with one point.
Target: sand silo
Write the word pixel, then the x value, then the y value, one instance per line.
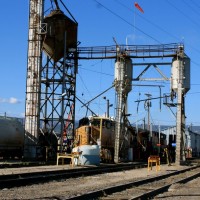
pixel 123 75
pixel 123 85
pixel 61 32
pixel 180 73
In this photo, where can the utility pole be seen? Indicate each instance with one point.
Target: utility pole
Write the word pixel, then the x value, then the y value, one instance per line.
pixel 108 105
pixel 180 123
pixel 159 139
pixel 148 105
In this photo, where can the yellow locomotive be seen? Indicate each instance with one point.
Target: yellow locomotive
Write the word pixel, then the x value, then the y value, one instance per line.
pixel 97 131
pixel 135 145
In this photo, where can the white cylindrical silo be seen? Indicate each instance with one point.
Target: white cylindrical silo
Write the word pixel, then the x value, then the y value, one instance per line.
pixel 180 73
pixel 123 74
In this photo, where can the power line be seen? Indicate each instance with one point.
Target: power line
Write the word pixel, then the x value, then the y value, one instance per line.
pixel 188 4
pixel 127 22
pixel 96 71
pixel 190 19
pixel 84 85
pixel 197 64
pixel 194 2
pixel 147 20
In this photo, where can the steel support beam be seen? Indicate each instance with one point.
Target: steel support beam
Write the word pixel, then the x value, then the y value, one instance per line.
pixel 122 86
pixel 33 78
pixel 58 87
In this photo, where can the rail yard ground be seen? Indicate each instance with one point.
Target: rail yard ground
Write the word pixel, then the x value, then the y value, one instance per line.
pixel 74 186
pixel 190 190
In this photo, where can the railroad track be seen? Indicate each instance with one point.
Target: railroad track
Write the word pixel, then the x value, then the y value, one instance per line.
pixel 22 179
pixel 142 189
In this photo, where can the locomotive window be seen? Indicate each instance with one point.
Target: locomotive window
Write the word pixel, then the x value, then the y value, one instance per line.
pixel 107 124
pixel 95 122
pixel 104 123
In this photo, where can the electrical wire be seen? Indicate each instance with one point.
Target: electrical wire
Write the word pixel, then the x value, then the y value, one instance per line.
pixel 84 85
pixel 115 14
pixel 150 22
pixel 97 104
pixel 189 5
pixel 186 16
pixel 96 71
pixel 194 2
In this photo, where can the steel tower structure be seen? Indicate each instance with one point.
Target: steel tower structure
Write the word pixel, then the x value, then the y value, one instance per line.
pixel 51 85
pixel 122 53
pixel 51 77
pixel 123 85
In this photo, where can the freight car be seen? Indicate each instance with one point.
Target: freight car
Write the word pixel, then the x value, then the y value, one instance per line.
pixel 11 137
pixel 145 143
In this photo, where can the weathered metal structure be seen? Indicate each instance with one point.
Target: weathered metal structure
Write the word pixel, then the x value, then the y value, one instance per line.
pixel 58 76
pixel 180 84
pixel 33 81
pixel 123 85
pixel 171 54
pixel 51 84
pixel 51 77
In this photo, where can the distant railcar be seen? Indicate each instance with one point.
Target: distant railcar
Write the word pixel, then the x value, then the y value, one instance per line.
pixel 146 143
pixel 11 137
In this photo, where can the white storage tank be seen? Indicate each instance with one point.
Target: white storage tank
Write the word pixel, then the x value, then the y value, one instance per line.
pixel 124 72
pixel 90 155
pixel 180 68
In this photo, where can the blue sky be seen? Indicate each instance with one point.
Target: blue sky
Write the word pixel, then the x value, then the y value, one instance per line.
pixel 163 22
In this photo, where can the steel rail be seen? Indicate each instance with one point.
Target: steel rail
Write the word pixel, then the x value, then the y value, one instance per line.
pixel 162 189
pixel 99 194
pixel 22 179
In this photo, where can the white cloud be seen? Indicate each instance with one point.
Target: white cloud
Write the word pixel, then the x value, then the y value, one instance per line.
pixel 11 100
